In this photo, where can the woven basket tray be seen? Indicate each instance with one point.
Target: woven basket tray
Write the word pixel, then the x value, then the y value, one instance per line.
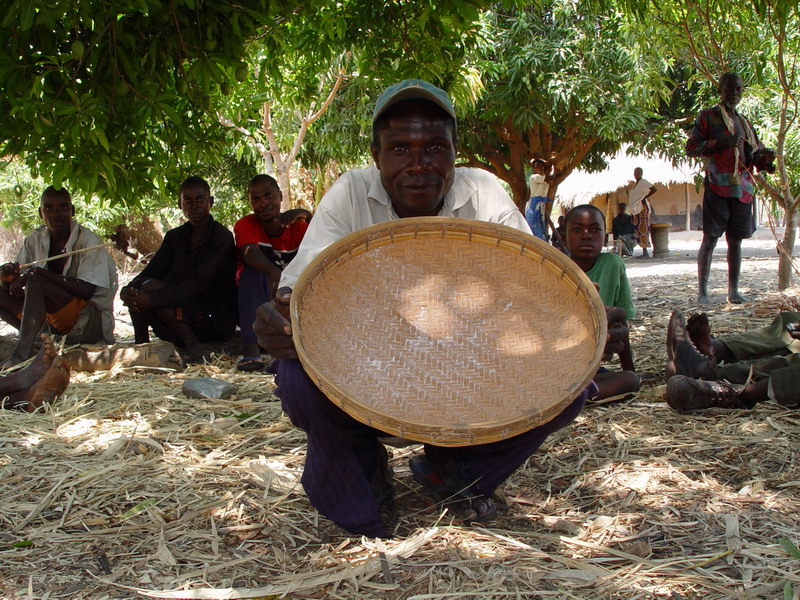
pixel 448 331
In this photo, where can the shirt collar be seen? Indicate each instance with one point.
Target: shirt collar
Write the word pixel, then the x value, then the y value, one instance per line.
pixel 460 193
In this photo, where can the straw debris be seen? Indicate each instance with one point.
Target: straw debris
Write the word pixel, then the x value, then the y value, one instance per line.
pixel 125 488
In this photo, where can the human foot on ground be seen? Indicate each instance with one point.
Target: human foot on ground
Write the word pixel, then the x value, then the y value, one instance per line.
pixel 703 299
pixel 737 298
pixel 51 385
pixel 40 363
pixel 699 331
pixel 682 357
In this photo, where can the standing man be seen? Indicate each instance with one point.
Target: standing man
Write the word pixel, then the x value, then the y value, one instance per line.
pixel 347 476
pixel 187 292
pixel 641 210
pixel 729 144
pixel 74 294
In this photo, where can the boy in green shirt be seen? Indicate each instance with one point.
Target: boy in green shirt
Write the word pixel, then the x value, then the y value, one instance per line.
pixel 585 227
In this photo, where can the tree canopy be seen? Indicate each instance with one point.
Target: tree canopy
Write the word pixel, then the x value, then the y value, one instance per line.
pixel 560 82
pixel 121 99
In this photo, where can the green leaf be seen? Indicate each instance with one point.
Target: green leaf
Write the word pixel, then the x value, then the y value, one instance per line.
pixel 22 544
pixel 790 548
pixel 27 14
pixel 136 509
pixel 101 137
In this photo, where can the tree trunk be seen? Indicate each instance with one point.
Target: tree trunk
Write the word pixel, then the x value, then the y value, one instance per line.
pixel 519 191
pixel 786 250
pixel 282 175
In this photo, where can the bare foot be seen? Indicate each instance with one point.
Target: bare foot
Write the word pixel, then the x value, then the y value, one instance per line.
pixel 40 363
pixel 51 385
pixel 703 299
pixel 699 331
pixel 737 298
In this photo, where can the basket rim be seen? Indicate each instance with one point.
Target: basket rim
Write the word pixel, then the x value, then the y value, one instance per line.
pixel 490 234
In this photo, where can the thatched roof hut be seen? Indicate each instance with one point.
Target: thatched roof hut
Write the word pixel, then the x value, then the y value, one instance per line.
pixel 677 201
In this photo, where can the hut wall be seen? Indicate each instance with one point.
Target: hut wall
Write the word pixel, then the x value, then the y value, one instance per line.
pixel 669 204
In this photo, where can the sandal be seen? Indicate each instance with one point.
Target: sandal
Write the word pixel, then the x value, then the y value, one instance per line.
pixel 466 506
pixel 250 364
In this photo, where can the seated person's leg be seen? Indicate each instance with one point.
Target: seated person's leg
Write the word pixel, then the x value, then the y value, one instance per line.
pixel 10 308
pixel 343 457
pixel 169 323
pixel 253 291
pixel 141 319
pixel 42 297
pixel 616 383
pixel 761 343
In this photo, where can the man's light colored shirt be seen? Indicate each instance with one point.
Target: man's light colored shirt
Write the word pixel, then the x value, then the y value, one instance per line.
pixel 95 267
pixel 635 196
pixel 358 200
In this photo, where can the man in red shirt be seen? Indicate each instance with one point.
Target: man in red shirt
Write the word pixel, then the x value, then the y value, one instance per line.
pixel 266 242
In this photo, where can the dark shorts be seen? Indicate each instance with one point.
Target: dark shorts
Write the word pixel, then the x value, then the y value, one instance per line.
pixel 727 215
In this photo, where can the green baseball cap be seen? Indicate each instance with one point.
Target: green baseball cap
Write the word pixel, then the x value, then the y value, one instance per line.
pixel 412 89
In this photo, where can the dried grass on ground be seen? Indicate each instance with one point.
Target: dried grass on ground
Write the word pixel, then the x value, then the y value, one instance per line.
pixel 126 487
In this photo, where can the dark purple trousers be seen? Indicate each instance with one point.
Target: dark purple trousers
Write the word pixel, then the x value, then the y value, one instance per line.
pixel 253 291
pixel 342 452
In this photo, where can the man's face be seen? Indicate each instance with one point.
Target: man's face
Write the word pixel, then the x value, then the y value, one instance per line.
pixel 196 204
pixel 585 234
pixel 637 174
pixel 730 91
pixel 621 209
pixel 416 159
pixel 265 200
pixel 56 212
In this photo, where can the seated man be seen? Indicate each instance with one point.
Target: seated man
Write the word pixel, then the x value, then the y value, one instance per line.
pixel 74 294
pixel 266 241
pixel 41 381
pixel 622 230
pixel 585 226
pixel 187 292
pixel 347 476
pixel 758 365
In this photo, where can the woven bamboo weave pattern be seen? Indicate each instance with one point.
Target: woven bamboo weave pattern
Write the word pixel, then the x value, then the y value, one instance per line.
pixel 447 331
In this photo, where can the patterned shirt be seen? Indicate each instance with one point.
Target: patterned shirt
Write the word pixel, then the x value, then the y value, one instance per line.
pixel 723 175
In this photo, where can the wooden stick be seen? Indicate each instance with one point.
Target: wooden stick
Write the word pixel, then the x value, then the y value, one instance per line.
pixel 49 258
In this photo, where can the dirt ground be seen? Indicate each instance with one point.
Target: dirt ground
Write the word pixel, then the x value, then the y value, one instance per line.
pixel 127 488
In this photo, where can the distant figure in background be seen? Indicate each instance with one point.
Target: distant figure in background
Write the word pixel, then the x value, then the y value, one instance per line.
pixel 538 210
pixel 640 210
pixel 187 292
pixel 731 149
pixel 266 241
pixel 623 231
